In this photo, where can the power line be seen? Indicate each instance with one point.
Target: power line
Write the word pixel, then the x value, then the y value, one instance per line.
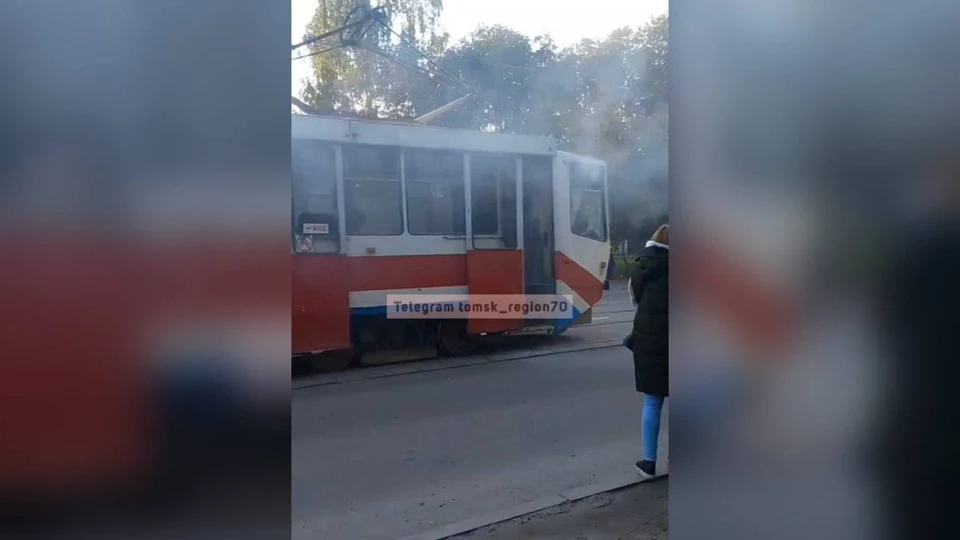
pixel 325 35
pixel 421 53
pixel 481 62
pixel 315 53
pixel 427 72
pixel 375 14
pixel 401 63
pixel 388 56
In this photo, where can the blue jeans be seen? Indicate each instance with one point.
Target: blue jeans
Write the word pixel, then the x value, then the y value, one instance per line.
pixel 652 405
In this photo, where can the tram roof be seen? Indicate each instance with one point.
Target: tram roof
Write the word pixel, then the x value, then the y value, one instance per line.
pixel 413 135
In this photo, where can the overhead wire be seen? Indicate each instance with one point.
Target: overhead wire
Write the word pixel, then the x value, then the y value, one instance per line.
pixel 374 16
pixel 429 74
pixel 491 64
pixel 358 28
pixel 315 53
pixel 325 35
pixel 425 56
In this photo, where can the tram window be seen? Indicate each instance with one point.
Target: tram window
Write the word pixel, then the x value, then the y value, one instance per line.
pixel 314 191
pixel 435 202
pixel 492 192
pixel 371 180
pixel 486 218
pixel 314 178
pixel 587 209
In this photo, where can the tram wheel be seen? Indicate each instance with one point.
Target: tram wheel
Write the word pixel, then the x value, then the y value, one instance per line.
pixel 329 361
pixel 453 340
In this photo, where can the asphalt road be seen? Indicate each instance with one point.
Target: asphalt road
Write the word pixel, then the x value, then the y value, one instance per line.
pixel 615 305
pixel 386 457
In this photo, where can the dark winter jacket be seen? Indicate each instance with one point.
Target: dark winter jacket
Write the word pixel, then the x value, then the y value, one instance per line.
pixel 919 326
pixel 649 285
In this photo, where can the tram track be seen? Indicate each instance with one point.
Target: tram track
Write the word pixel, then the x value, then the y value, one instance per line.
pixel 604 323
pixel 492 352
pixel 601 313
pixel 437 363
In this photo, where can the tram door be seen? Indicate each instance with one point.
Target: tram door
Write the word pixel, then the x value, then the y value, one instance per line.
pixel 494 257
pixel 321 312
pixel 538 238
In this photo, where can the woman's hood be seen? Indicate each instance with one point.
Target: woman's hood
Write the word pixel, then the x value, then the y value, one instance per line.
pixel 651 243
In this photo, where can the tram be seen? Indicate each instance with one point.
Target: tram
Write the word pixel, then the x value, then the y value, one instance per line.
pixel 393 208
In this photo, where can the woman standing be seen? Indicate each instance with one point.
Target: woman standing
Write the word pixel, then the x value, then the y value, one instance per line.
pixel 649 340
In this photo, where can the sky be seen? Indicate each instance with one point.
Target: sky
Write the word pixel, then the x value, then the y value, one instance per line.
pixel 530 17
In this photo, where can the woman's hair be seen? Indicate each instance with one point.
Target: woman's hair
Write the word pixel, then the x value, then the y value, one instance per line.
pixel 662 235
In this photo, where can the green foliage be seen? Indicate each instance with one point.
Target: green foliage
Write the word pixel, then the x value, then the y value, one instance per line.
pixel 606 98
pixel 353 80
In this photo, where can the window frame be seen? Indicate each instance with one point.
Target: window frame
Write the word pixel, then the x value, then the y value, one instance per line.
pixel 299 189
pixel 499 232
pixel 510 163
pixel 307 193
pixel 585 188
pixel 344 149
pixel 461 184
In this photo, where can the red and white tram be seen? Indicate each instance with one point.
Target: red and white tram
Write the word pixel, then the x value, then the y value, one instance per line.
pixel 391 208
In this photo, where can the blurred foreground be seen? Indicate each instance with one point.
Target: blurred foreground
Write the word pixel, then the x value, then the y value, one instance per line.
pixel 815 204
pixel 145 271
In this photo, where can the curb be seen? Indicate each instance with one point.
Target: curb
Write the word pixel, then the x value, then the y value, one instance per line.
pixel 571 495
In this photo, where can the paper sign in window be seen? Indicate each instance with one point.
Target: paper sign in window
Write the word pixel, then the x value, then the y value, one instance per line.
pixel 316 228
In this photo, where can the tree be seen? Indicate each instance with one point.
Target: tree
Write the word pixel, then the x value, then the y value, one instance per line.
pixel 497 66
pixel 354 80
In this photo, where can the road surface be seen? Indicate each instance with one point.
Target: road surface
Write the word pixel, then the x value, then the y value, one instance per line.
pixel 382 457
